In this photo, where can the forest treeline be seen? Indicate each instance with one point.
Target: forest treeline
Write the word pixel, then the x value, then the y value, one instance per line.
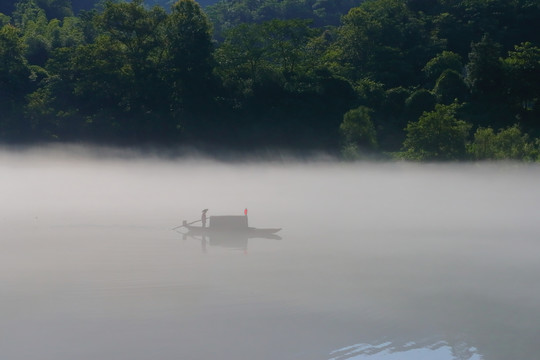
pixel 413 79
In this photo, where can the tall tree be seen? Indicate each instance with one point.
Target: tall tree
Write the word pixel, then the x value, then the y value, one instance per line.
pixel 485 70
pixel 15 83
pixel 358 131
pixel 447 60
pixel 450 87
pixel 523 74
pixel 510 143
pixel 437 135
pixel 242 56
pixel 287 39
pixel 385 41
pixel 189 59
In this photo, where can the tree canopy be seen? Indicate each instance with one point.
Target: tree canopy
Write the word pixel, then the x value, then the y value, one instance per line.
pixel 423 80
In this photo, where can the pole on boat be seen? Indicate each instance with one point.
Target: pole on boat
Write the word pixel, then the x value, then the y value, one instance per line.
pixel 184 223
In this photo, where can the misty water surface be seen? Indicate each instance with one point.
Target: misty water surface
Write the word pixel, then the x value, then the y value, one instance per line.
pixel 376 261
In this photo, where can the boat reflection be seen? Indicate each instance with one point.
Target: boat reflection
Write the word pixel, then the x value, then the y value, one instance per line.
pixel 230 240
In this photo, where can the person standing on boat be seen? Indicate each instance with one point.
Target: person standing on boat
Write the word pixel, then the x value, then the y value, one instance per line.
pixel 203 218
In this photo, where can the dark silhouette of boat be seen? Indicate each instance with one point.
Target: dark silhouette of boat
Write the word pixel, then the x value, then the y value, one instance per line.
pixel 230 225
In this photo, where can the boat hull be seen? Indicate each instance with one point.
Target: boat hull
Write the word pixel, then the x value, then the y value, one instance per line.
pixel 249 232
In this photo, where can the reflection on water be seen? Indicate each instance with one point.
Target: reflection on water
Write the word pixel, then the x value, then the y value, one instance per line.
pixel 235 241
pixel 427 350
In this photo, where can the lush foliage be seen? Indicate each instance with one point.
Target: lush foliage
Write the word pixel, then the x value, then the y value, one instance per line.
pixel 437 135
pixel 227 14
pixel 418 79
pixel 358 133
pixel 57 7
pixel 508 143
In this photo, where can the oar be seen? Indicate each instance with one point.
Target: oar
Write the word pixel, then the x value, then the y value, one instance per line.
pixel 193 222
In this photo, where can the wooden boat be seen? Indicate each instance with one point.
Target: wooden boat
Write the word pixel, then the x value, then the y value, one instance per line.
pixel 230 225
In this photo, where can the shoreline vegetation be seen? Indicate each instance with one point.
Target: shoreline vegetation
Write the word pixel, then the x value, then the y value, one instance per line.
pixel 420 80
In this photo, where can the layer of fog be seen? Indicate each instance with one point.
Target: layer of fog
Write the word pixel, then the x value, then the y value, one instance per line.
pixel 50 187
pixel 371 253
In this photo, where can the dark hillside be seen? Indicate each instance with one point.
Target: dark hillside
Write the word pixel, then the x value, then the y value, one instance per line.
pixel 226 14
pixel 416 79
pixel 8 6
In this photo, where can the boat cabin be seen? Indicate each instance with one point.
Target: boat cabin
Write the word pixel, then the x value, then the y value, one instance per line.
pixel 228 222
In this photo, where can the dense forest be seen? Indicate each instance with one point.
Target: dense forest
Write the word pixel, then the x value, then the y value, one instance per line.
pixel 411 79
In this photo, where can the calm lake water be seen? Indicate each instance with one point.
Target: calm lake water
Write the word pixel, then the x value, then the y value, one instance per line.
pixel 376 261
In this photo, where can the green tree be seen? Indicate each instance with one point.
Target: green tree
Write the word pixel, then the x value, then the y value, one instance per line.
pixel 98 81
pixel 226 15
pixel 41 35
pixel 12 62
pixel 56 9
pixel 189 58
pixel 4 20
pixel 129 56
pixel 394 102
pixel 80 6
pixel 357 131
pixel 391 118
pixel 370 93
pixel 277 45
pixel 112 88
pixel 449 27
pixel 418 102
pixel 287 42
pixel 485 70
pixel 483 145
pixel 385 41
pixel 26 10
pixel 506 144
pixel 15 83
pixel 450 86
pixel 523 73
pixel 243 54
pixel 137 31
pixel 437 135
pixel 31 19
pixel 447 60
